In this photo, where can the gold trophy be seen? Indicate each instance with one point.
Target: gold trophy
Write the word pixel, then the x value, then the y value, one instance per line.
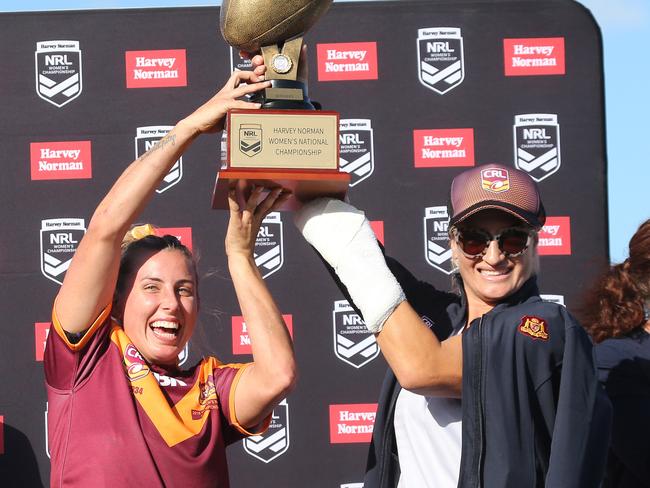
pixel 286 143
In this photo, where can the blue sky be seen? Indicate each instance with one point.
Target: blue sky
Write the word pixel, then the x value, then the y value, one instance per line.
pixel 625 25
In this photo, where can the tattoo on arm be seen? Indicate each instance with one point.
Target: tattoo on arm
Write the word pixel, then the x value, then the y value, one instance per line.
pixel 170 138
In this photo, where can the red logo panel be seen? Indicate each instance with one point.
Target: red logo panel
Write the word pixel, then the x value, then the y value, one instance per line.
pixel 41 331
pixel 347 61
pixel 352 423
pixel 436 148
pixel 183 234
pixel 156 69
pixel 534 56
pixel 378 229
pixel 241 342
pixel 65 160
pixel 555 237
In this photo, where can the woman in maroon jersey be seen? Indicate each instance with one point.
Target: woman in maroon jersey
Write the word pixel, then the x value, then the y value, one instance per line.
pixel 121 412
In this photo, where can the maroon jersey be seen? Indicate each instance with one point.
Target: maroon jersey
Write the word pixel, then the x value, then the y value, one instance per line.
pixel 114 420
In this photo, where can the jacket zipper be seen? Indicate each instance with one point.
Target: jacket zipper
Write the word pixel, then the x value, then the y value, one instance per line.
pixel 479 467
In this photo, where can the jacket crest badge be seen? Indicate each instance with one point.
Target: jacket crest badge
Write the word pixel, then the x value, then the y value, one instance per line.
pixel 533 327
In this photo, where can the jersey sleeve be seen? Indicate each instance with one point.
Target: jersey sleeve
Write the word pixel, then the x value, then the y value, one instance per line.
pixel 68 363
pixel 226 378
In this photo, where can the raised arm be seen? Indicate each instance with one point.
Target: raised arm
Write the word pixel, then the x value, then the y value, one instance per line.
pixel 344 238
pixel 90 281
pixel 273 372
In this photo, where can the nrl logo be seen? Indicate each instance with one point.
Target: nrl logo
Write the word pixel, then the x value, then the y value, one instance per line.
pixel 146 138
pixel 537 144
pixel 356 149
pixel 59 241
pixel 268 252
pixel 250 139
pixel 58 71
pixel 440 58
pixel 237 63
pixel 275 441
pixel 353 343
pixel 437 252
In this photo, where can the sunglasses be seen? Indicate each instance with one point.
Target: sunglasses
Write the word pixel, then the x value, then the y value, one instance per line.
pixel 512 241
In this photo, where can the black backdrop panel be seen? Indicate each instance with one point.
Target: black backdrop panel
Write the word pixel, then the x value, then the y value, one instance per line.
pixel 425 90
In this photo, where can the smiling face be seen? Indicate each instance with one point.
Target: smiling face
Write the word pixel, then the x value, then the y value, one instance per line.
pixel 159 305
pixel 490 278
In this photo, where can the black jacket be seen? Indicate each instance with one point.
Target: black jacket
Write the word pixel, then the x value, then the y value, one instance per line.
pixel 533 412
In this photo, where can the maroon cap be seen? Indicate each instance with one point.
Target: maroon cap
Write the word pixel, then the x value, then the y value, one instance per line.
pixel 499 187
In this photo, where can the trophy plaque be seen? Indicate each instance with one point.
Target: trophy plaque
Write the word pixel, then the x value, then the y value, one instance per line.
pixel 287 142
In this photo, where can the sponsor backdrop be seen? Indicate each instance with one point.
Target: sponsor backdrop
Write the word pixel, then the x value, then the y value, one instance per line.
pixel 424 89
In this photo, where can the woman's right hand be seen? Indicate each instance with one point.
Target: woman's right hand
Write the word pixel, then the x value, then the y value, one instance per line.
pixel 210 116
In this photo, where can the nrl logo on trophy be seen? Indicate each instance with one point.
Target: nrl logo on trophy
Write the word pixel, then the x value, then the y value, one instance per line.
pixel 440 57
pixel 250 139
pixel 437 252
pixel 286 143
pixel 275 441
pixel 58 71
pixel 537 144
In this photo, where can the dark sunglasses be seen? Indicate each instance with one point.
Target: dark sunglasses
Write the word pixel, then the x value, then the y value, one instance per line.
pixel 512 241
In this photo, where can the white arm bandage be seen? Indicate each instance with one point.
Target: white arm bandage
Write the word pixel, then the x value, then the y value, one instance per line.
pixel 343 236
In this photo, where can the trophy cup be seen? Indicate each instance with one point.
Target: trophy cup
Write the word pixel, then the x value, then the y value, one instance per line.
pixel 286 143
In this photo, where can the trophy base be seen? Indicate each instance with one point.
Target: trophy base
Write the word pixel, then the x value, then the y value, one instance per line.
pixel 304 186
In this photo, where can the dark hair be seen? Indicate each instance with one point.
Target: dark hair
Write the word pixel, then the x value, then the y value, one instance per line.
pixel 132 248
pixel 615 304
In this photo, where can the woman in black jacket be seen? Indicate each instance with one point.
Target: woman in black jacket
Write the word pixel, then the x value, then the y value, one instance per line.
pixel 532 413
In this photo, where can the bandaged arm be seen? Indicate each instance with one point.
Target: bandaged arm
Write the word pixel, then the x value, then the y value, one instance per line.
pixel 343 236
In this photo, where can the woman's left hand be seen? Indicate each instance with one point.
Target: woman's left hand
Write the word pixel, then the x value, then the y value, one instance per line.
pixel 245 222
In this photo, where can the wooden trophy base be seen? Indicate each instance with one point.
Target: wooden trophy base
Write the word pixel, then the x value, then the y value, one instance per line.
pixel 304 185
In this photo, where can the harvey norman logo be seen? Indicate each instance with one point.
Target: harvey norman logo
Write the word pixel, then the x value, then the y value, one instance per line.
pixel 347 61
pixel 60 160
pixel 58 71
pixel 534 56
pixel 352 423
pixel 555 237
pixel 435 148
pixel 41 331
pixel 183 234
pixel 155 69
pixel 241 341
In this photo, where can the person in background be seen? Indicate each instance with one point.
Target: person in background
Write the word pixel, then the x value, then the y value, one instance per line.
pixel 617 314
pixel 121 412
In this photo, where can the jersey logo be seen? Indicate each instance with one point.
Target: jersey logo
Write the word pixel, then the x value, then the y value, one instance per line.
pixel 207 398
pixel 135 366
pixel 533 327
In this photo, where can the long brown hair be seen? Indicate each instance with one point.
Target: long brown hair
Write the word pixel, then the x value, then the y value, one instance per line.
pixel 616 303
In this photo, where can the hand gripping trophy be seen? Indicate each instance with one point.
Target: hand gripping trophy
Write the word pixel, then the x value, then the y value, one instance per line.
pixel 287 142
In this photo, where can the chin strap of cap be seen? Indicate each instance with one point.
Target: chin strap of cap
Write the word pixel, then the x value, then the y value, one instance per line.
pixel 343 236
